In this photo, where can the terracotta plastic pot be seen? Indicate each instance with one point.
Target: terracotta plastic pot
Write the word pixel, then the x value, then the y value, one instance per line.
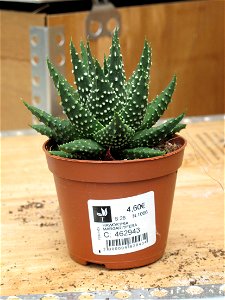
pixel 116 213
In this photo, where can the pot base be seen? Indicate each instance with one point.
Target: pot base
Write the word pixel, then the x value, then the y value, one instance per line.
pixel 120 265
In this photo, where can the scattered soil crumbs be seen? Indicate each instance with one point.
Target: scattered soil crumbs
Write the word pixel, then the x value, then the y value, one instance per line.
pixel 37 213
pixel 188 263
pixel 217 252
pixel 31 205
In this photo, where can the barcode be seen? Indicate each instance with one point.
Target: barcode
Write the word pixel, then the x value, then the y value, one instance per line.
pixel 127 241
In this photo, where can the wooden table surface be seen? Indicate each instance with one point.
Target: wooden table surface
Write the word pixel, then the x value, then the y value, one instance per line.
pixel 34 252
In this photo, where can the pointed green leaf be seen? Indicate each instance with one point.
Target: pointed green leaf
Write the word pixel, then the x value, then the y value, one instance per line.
pixel 105 66
pixel 62 130
pixel 81 75
pixel 102 99
pixel 83 120
pixel 44 130
pixel 158 106
pixel 116 74
pixel 143 65
pixel 141 152
pixel 59 80
pixel 155 135
pixel 88 60
pixel 115 135
pixel 178 128
pixel 85 148
pixel 57 76
pixel 61 154
pixel 84 55
pixel 134 111
pixel 42 116
pixel 91 62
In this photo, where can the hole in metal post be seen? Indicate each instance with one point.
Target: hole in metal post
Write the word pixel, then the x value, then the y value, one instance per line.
pixel 95 28
pixel 60 60
pixel 37 99
pixel 34 40
pixel 35 60
pixel 36 80
pixel 111 25
pixel 60 40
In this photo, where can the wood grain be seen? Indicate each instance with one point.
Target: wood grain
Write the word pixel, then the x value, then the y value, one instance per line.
pixel 187 39
pixel 16 67
pixel 34 253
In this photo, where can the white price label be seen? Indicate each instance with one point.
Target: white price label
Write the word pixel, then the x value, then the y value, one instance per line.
pixel 120 226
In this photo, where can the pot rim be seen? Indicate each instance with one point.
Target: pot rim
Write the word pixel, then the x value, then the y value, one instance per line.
pixel 176 137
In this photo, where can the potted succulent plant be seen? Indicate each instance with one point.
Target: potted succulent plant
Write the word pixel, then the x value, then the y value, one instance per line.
pixel 114 167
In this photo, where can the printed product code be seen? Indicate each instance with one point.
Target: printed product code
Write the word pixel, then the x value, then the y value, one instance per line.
pixel 120 226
